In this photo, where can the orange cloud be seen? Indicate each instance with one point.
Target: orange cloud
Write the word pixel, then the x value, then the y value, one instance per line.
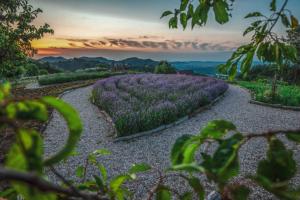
pixel 49 51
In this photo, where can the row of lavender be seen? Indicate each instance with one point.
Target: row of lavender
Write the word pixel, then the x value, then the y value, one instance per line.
pixel 141 102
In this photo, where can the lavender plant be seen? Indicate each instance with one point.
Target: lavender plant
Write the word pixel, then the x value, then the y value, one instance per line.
pixel 142 102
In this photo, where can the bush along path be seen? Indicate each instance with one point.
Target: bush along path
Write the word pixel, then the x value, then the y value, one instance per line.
pixel 155 149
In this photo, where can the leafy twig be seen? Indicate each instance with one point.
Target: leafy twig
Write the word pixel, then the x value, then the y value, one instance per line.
pixel 43 185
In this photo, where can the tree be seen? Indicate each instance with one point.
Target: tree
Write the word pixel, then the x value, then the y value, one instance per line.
pixel 293 38
pixel 164 68
pixel 265 43
pixel 16 34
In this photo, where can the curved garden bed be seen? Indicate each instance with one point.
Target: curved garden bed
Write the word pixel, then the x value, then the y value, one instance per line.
pixel 142 102
pixel 288 96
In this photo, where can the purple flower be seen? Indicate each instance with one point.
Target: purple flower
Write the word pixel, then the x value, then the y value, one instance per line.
pixel 140 102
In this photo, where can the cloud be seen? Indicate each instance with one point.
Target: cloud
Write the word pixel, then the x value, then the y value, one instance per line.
pixel 148 42
pixel 72 44
pixel 88 45
pixel 76 40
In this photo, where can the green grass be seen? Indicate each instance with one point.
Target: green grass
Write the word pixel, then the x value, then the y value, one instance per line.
pixel 288 95
pixel 75 76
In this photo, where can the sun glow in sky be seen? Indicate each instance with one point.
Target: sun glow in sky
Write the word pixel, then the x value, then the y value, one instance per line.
pixel 123 28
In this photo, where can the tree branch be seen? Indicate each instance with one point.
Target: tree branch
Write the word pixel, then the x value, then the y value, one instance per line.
pixel 68 183
pixel 271 133
pixel 35 181
pixel 278 15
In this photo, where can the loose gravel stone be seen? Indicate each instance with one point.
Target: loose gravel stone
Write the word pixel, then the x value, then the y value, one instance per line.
pixel 155 149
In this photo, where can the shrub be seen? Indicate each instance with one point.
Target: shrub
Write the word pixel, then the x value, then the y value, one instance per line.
pixel 289 73
pixel 69 77
pixel 288 95
pixel 164 68
pixel 142 102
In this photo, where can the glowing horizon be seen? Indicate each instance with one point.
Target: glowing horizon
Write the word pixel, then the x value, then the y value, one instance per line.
pixel 97 28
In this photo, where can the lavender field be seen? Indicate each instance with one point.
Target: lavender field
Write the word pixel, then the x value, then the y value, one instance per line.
pixel 141 102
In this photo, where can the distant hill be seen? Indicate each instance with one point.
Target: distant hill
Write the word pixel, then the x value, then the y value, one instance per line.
pixel 91 62
pixel 96 59
pixel 209 68
pixel 138 63
pixel 52 59
pixel 198 67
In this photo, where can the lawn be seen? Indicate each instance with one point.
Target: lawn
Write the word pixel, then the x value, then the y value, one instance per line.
pixel 288 95
pixel 142 102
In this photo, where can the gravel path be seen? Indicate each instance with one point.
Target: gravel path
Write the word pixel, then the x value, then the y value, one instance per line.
pixel 155 149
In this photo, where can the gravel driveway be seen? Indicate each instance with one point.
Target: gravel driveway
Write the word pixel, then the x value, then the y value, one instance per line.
pixel 155 149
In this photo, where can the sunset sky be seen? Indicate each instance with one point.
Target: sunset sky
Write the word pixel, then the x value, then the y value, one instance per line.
pixel 119 29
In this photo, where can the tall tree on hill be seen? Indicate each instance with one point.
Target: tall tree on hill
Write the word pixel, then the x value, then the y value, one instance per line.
pixel 16 34
pixel 266 44
pixel 164 68
pixel 293 38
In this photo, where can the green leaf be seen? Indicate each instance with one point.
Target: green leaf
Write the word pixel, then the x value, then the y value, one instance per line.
pixel 173 22
pixel 27 110
pixel 138 168
pixel 101 152
pixel 254 14
pixel 86 185
pixel 220 9
pixel 195 19
pixel 183 20
pixel 26 155
pixel 217 129
pixel 240 192
pixel 189 152
pixel 294 21
pixel 116 182
pixel 197 187
pixel 222 68
pixel 201 14
pixel 247 62
pixel 99 182
pixel 294 137
pixel 285 20
pixel 166 13
pixel 279 165
pixel 6 193
pixel 248 30
pixel 79 172
pixel 262 51
pixel 5 89
pixel 103 171
pixel 74 124
pixel 281 190
pixel 190 11
pixel 275 172
pixel 16 159
pixel 187 196
pixel 163 193
pixel 273 5
pixel 184 4
pixel 224 164
pixel 178 149
pixel 190 167
pixel 233 71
